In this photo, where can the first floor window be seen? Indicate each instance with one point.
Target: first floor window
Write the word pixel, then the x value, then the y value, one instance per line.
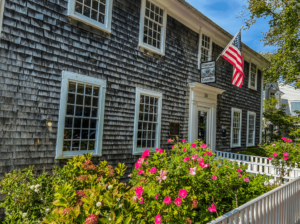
pixel 97 13
pixel 253 76
pixel 80 124
pixel 147 120
pixel 236 127
pixel 251 128
pixel 152 27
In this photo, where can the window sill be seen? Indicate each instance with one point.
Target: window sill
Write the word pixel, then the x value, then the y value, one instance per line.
pixel 235 146
pixel 252 88
pixel 151 49
pixel 70 156
pixel 250 145
pixel 90 22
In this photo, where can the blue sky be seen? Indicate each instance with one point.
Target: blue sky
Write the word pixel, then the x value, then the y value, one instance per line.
pixel 224 14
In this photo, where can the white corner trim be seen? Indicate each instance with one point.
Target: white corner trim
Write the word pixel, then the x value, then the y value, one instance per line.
pixel 240 134
pixel 2 3
pixel 139 91
pixel 108 16
pixel 261 106
pixel 70 76
pixel 160 51
pixel 247 138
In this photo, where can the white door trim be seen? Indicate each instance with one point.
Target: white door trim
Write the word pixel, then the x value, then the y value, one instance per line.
pixel 203 98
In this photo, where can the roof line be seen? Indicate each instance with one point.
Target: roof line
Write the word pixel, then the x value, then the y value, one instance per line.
pixel 219 28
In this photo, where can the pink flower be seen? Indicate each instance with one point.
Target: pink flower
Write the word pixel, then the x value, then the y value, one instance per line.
pixel 212 208
pixel 259 143
pixel 285 158
pixel 214 177
pixel 177 201
pixel 137 165
pixel 202 165
pixel 162 176
pixel 194 145
pixel 193 171
pixel 153 170
pixel 285 154
pixel 274 144
pixel 194 157
pixel 173 146
pixel 146 153
pixel 203 146
pixel 139 191
pixel 239 170
pixel 246 179
pixel 275 154
pixel 167 200
pixel 140 172
pixel 182 193
pixel 186 159
pixel 141 200
pixel 159 151
pixel 170 140
pixel 209 153
pixel 184 150
pixel 239 175
pixel 157 219
pixel 270 158
pixel 183 140
pixel 289 140
pixel 156 197
pixel 200 159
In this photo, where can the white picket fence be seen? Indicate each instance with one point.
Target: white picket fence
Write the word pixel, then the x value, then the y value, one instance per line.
pixel 279 206
pixel 259 165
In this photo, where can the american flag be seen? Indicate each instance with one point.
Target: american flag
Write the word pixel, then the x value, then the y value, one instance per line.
pixel 234 55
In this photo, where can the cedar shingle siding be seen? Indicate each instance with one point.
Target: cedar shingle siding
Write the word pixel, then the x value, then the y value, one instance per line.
pixel 39 41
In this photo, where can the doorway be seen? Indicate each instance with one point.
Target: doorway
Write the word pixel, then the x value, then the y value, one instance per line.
pixel 202 126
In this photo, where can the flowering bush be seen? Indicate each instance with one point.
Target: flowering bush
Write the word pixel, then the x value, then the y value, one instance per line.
pixel 89 194
pixel 28 196
pixel 284 155
pixel 189 185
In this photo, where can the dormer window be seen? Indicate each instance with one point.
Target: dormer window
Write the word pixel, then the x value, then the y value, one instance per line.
pixel 153 27
pixel 96 13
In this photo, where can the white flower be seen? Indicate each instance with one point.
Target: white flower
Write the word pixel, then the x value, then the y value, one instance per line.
pixel 110 187
pixel 24 215
pixel 98 204
pixel 118 199
pixel 32 187
pixel 120 206
pixel 37 186
pixel 36 190
pixel 130 175
pixel 47 209
pixel 109 219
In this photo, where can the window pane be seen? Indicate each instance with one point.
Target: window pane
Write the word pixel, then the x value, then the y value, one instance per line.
pixel 94 9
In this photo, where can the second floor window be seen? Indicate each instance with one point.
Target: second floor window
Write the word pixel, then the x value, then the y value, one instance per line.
pixel 253 76
pixel 153 26
pixel 205 48
pixel 96 13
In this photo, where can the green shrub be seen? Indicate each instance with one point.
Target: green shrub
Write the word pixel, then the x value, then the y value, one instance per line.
pixel 190 186
pixel 28 196
pixel 88 193
pixel 254 152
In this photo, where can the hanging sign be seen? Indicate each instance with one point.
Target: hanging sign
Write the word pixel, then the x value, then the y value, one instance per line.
pixel 208 72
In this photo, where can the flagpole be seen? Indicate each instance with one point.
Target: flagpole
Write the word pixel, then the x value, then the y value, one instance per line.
pixel 229 43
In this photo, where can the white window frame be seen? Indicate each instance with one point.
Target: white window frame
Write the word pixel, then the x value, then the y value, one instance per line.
pixel 248 120
pixel 2 3
pixel 139 92
pixel 200 49
pixel 240 134
pixel 160 51
pixel 70 76
pixel 250 73
pixel 108 16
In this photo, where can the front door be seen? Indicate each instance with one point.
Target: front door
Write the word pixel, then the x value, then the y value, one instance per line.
pixel 202 126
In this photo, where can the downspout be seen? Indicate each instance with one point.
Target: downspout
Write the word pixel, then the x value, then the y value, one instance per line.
pixel 261 106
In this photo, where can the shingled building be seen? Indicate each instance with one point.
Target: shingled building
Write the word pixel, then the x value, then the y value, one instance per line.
pixel 116 77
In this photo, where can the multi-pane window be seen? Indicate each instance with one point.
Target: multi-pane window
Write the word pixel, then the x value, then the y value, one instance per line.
pixel 152 27
pixel 81 117
pixel 97 13
pixel 81 113
pixel 236 127
pixel 147 120
pixel 253 73
pixel 148 115
pixel 251 128
pixel 272 95
pixel 94 9
pixel 205 48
